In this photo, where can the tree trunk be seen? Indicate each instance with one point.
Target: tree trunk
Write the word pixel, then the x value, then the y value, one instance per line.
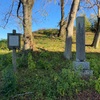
pixel 97 35
pixel 69 28
pixel 62 30
pixel 27 24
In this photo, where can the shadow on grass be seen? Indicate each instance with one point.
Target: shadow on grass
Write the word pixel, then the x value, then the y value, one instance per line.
pixel 44 58
pixel 90 45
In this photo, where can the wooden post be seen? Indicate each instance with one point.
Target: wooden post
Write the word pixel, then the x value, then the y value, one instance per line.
pixel 14 56
pixel 14 60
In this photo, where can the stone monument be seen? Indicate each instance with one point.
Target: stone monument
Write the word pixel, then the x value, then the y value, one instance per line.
pixel 81 63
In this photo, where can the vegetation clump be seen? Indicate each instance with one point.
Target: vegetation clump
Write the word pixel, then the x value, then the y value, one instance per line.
pixel 46 75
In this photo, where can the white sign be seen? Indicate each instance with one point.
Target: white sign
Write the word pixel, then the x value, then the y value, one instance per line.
pixel 13 40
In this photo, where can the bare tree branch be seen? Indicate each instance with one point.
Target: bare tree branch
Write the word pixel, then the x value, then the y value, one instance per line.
pixel 8 15
pixel 91 4
pixel 18 8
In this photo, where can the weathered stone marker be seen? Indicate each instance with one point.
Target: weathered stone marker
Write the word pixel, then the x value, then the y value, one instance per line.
pixel 13 44
pixel 80 62
pixel 80 39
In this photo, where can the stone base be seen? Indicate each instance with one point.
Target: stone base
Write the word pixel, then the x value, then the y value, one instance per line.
pixel 81 65
pixel 83 68
pixel 87 73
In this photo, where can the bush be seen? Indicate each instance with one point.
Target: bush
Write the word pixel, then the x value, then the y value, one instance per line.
pixel 5 60
pixel 68 83
pixel 22 61
pixel 3 44
pixel 31 64
pixel 97 85
pixel 9 80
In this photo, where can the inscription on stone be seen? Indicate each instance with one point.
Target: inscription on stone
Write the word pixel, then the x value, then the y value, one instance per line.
pixel 80 39
pixel 81 62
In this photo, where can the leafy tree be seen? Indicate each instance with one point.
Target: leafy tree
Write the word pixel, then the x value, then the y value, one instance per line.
pixel 93 21
pixel 87 24
pixel 95 4
pixel 94 27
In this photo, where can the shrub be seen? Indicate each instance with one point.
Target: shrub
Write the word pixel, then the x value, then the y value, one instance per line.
pixel 97 85
pixel 22 60
pixel 31 64
pixel 26 60
pixel 5 60
pixel 9 80
pixel 3 44
pixel 68 83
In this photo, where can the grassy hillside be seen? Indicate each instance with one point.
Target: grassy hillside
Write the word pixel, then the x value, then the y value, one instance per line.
pixel 46 75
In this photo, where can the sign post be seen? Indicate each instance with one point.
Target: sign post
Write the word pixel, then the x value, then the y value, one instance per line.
pixel 13 44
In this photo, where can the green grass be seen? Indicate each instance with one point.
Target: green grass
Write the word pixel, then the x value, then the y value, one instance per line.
pixel 46 73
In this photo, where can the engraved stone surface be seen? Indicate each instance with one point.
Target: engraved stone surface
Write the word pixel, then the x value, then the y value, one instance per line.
pixel 80 39
pixel 80 65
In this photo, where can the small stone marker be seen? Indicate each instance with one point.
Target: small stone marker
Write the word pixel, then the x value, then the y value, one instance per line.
pixel 13 44
pixel 80 63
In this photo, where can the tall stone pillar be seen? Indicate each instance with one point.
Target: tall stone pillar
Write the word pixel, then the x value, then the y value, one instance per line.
pixel 81 63
pixel 80 39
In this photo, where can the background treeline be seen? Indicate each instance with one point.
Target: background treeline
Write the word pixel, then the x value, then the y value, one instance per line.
pixel 90 26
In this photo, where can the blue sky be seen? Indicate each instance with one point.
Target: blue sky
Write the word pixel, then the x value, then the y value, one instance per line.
pixel 44 16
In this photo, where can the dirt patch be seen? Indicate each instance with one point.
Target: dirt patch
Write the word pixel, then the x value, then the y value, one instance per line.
pixel 88 95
